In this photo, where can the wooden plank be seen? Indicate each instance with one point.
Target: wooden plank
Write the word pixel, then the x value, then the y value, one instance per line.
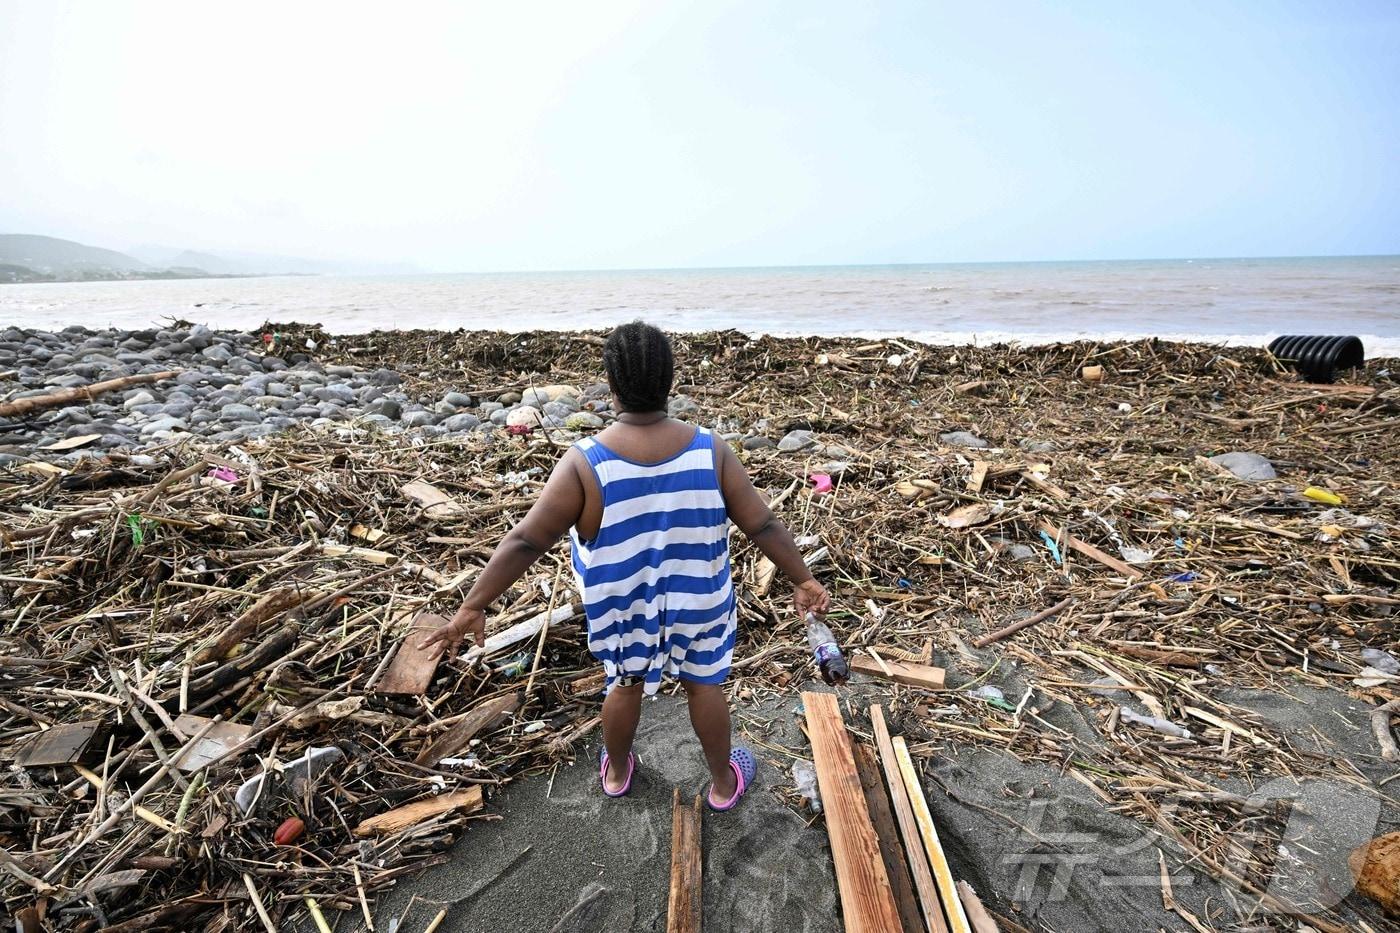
pixel 218 740
pixel 413 667
pixel 434 502
pixel 915 675
pixel 1088 550
pixel 867 903
pixel 978 477
pixel 683 907
pixel 877 801
pixel 942 874
pixel 924 884
pixel 411 814
pixel 1044 485
pixel 62 744
pixel 482 716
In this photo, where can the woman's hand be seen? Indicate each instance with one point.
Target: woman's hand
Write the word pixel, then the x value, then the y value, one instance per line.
pixel 811 596
pixel 466 620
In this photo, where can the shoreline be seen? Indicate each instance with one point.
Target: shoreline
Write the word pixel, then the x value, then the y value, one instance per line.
pixel 232 386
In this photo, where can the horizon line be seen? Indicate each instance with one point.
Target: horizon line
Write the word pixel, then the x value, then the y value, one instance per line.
pixel 890 265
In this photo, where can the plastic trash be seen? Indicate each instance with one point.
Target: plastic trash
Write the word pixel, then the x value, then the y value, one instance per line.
pixel 1054 548
pixel 825 652
pixel 988 692
pixel 1382 661
pixel 295 772
pixel 1189 576
pixel 821 484
pixel 1152 722
pixel 1318 358
pixel 224 474
pixel 804 775
pixel 1324 496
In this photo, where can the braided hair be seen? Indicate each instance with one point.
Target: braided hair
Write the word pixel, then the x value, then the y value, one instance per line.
pixel 640 367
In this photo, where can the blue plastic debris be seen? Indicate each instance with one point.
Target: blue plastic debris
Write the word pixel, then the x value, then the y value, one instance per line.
pixel 905 584
pixel 1189 576
pixel 1054 548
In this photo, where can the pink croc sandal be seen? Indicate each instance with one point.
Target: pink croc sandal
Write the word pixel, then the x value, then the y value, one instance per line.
pixel 603 774
pixel 744 770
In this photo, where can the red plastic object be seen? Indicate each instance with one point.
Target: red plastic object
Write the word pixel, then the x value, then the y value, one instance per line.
pixel 289 832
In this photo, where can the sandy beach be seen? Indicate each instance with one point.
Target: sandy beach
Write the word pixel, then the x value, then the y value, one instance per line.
pixel 1187 743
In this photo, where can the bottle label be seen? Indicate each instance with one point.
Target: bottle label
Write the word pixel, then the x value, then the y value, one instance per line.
pixel 826 652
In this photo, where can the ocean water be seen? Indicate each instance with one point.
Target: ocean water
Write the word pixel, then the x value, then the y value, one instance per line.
pixel 1237 301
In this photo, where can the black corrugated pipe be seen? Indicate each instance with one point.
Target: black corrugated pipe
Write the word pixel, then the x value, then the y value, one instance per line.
pixel 1319 358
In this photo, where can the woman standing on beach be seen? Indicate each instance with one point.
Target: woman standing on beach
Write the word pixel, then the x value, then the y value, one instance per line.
pixel 648 503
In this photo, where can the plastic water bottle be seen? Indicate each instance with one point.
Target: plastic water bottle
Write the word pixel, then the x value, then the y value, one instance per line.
pixel 804 775
pixel 824 650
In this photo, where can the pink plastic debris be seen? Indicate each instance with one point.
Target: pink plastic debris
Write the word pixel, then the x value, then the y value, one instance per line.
pixel 225 474
pixel 821 483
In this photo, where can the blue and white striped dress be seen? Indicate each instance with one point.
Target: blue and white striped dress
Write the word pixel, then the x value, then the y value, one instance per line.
pixel 655 581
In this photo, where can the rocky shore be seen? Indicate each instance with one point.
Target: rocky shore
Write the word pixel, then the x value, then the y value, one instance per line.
pixel 233 387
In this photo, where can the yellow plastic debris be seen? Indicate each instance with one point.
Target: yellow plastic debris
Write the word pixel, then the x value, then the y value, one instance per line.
pixel 1323 496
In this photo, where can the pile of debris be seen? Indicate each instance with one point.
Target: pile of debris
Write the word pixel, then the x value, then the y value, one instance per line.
pixel 219 716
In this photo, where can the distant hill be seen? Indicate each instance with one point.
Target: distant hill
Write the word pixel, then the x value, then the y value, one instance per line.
pixel 28 258
pixel 64 259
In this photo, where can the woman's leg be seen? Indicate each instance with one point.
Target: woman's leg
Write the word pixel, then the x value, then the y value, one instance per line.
pixel 709 717
pixel 621 709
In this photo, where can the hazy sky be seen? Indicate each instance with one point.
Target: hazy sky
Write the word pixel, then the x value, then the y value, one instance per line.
pixel 603 134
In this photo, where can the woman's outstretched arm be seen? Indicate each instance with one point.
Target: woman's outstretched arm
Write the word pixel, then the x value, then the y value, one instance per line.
pixel 558 508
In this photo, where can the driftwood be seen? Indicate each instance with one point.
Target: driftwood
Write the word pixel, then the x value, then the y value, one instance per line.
pixel 1380 725
pixel 683 907
pixel 35 403
pixel 983 641
pixel 400 818
pixel 270 606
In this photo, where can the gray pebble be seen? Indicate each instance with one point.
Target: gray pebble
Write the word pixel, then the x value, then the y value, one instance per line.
pixel 235 411
pixel 462 422
pixel 457 400
pixel 164 424
pixel 387 407
pixel 682 405
pixel 338 391
pixel 963 439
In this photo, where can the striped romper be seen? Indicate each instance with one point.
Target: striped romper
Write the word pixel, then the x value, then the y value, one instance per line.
pixel 655 580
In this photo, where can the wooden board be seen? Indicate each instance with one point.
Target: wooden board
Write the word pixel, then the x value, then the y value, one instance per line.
pixel 915 675
pixel 217 742
pixel 867 903
pixel 924 884
pixel 978 477
pixel 482 716
pixel 1088 550
pixel 411 814
pixel 413 667
pixel 683 906
pixel 62 744
pixel 434 502
pixel 942 874
pixel 877 801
